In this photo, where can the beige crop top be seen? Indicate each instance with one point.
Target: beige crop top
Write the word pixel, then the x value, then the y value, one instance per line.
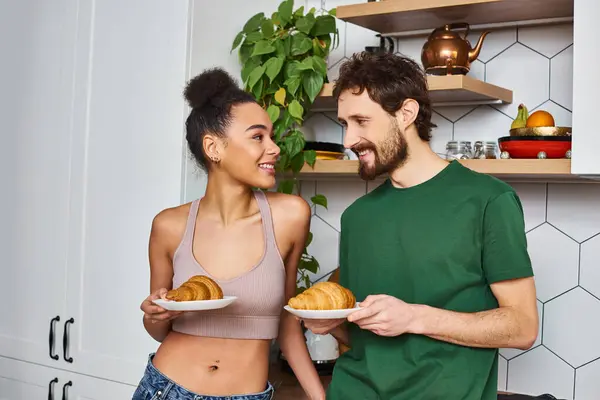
pixel 260 291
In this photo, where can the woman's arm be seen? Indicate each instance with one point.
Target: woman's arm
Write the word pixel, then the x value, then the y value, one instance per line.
pixel 157 321
pixel 291 338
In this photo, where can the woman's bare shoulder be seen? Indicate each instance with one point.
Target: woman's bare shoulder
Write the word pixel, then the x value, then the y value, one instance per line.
pixel 168 226
pixel 289 208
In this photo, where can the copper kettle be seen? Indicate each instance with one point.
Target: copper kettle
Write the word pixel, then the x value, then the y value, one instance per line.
pixel 447 53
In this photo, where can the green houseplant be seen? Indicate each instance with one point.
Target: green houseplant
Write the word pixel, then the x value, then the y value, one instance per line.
pixel 283 61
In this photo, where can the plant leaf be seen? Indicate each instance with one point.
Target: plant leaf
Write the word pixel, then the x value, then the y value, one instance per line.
pixel 286 186
pixel 280 96
pixel 306 23
pixel 272 67
pixel 263 47
pixel 320 65
pixel 310 157
pixel 287 45
pixel 279 48
pixel 249 66
pixel 273 112
pixel 296 110
pixel 245 52
pixel 324 25
pixel 307 64
pixel 313 83
pixel 237 41
pixel 276 19
pixel 255 76
pixel 257 90
pixel 311 265
pixel 291 69
pixel 293 84
pixel 299 12
pixel 333 12
pixel 306 281
pixel 254 37
pixel 285 10
pixel 309 239
pixel 319 200
pixel 297 162
pixel 294 143
pixel 267 28
pixel 300 44
pixel 254 22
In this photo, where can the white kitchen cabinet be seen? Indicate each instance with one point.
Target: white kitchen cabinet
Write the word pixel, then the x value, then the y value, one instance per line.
pixel 586 85
pixel 38 49
pixel 131 168
pixel 92 122
pixel 25 381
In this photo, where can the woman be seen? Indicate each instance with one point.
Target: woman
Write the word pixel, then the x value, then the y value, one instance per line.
pixel 248 241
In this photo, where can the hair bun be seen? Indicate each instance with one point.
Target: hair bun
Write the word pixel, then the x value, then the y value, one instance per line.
pixel 208 85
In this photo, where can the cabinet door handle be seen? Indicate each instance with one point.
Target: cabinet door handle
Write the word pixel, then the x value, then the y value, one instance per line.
pixel 65 386
pixel 51 338
pixel 51 388
pixel 66 340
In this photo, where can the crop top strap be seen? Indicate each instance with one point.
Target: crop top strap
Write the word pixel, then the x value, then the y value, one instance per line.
pixel 188 236
pixel 265 212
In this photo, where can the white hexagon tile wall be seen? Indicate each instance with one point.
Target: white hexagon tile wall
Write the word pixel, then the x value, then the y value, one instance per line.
pixel 562 221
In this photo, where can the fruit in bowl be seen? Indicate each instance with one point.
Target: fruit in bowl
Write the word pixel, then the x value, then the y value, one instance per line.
pixel 539 118
pixel 521 120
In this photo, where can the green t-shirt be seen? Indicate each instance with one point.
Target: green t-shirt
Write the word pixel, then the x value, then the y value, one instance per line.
pixel 439 243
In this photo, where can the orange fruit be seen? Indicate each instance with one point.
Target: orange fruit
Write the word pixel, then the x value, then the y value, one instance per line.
pixel 540 118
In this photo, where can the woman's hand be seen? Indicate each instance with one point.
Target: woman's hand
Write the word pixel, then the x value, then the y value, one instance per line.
pixel 155 313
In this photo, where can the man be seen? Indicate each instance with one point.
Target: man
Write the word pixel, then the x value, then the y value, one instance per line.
pixel 438 253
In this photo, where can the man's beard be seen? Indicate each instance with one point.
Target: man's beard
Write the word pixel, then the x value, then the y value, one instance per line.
pixel 390 154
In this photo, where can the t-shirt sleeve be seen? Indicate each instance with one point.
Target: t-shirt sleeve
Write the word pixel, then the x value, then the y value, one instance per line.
pixel 505 253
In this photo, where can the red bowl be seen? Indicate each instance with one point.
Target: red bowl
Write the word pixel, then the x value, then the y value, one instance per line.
pixel 530 146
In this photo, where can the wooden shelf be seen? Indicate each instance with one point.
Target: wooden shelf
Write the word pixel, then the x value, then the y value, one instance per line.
pixel 523 170
pixel 443 90
pixel 395 16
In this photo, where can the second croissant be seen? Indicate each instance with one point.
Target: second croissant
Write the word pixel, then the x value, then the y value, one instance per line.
pixel 198 287
pixel 324 296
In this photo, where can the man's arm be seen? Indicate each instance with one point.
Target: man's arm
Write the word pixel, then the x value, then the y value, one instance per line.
pixel 513 325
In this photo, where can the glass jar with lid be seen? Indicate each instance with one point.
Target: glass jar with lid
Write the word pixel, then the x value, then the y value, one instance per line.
pixel 458 150
pixel 486 150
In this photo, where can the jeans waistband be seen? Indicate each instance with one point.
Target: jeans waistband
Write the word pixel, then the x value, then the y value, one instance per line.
pixel 154 380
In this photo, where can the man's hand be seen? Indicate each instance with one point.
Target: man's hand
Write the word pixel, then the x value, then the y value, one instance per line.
pixel 384 315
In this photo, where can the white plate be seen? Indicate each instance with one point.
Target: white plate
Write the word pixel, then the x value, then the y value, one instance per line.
pixel 195 305
pixel 321 314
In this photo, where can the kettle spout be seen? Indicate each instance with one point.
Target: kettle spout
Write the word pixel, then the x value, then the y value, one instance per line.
pixel 474 53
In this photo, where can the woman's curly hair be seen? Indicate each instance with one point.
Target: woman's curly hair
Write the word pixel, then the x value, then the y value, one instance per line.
pixel 211 95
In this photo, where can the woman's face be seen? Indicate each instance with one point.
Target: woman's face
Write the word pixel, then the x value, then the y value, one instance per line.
pixel 248 153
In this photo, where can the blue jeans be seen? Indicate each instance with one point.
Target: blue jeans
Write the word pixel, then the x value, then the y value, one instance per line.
pixel 155 386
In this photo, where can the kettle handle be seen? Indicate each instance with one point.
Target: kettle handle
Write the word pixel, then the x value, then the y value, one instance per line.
pixel 460 25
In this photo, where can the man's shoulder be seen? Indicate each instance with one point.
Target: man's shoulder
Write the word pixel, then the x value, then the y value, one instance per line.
pixel 362 204
pixel 482 185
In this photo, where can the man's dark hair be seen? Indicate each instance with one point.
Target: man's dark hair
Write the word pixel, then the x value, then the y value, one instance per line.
pixel 389 79
pixel 211 95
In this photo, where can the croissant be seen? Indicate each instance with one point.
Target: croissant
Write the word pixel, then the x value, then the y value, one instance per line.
pixel 198 287
pixel 323 296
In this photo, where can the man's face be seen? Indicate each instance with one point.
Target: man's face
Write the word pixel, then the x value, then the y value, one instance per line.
pixel 373 134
